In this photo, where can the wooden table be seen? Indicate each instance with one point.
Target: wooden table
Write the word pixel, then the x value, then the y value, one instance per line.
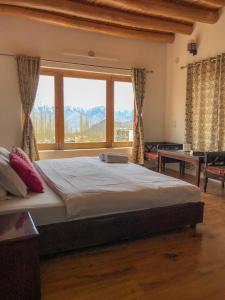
pixel 182 156
pixel 19 258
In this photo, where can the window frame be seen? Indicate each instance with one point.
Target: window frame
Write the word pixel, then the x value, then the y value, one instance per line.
pixel 58 75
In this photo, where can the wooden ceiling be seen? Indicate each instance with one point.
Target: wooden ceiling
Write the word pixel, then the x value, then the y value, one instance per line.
pixel 155 20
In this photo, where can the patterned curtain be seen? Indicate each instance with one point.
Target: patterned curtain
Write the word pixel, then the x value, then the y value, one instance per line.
pixel 205 104
pixel 138 80
pixel 221 108
pixel 28 72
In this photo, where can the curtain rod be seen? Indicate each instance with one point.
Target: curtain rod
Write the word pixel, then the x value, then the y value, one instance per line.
pixel 199 62
pixel 78 64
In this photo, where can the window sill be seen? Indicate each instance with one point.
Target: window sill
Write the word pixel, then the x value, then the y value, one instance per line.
pixel 52 154
pixel 84 146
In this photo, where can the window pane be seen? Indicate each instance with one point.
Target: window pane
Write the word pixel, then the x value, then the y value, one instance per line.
pixel 123 111
pixel 84 110
pixel 43 114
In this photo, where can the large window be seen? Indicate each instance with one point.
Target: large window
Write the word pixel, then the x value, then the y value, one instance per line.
pixel 83 110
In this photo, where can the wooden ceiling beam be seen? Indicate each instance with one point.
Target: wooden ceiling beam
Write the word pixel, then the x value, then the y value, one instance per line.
pixel 165 8
pixel 104 14
pixel 217 3
pixel 76 23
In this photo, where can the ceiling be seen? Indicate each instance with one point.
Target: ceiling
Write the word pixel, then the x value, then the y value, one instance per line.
pixel 154 20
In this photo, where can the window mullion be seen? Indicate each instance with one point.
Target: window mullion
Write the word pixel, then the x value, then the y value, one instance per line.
pixel 109 112
pixel 59 111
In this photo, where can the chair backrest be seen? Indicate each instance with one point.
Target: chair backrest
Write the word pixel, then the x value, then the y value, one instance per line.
pixel 169 146
pixel 215 158
pixel 155 146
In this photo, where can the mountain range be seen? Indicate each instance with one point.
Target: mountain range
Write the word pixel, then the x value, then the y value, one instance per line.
pixel 72 115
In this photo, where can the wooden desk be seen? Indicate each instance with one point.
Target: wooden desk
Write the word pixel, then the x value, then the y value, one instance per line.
pixel 197 161
pixel 19 258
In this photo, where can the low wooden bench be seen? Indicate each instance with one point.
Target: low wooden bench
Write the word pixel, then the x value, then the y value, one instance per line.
pixel 152 148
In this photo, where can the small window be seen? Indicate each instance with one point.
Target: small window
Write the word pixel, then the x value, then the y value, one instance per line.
pixel 43 114
pixel 123 111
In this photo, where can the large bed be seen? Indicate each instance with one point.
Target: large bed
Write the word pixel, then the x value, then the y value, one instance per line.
pixel 88 202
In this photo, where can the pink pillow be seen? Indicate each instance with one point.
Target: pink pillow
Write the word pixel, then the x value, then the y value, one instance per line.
pixel 18 151
pixel 27 173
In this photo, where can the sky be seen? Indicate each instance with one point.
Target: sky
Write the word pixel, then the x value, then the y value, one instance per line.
pixel 85 93
pixel 45 92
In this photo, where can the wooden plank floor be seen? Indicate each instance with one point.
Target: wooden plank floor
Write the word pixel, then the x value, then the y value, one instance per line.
pixel 184 265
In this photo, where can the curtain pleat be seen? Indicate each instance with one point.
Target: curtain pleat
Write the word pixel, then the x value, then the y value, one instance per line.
pixel 221 107
pixel 138 80
pixel 28 73
pixel 205 105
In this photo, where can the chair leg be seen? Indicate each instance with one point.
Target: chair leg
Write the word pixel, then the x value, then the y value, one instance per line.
pixel 182 168
pixel 163 164
pixel 205 183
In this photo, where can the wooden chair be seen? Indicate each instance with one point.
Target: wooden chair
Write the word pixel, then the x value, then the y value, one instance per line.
pixel 214 167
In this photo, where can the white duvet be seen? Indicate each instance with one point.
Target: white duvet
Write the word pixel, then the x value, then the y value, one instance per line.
pixel 90 187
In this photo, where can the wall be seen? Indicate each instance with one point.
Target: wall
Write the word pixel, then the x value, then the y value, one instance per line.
pixel 10 108
pixel 211 41
pixel 20 36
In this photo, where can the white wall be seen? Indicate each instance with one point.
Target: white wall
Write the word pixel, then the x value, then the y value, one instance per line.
pixel 25 37
pixel 211 41
pixel 10 108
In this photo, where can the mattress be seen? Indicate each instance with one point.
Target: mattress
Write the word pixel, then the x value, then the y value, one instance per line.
pixel 45 208
pixel 90 187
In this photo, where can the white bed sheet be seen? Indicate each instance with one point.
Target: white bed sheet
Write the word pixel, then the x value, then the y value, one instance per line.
pixel 91 188
pixel 45 208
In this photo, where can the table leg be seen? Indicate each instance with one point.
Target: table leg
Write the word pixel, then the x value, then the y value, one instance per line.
pixel 198 173
pixel 159 163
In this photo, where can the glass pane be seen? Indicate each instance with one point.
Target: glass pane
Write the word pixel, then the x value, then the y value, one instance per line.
pixel 123 111
pixel 43 114
pixel 84 110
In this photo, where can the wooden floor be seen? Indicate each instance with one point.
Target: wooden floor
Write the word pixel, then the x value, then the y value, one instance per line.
pixel 185 265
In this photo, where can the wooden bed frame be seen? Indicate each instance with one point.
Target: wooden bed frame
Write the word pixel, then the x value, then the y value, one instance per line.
pixel 77 234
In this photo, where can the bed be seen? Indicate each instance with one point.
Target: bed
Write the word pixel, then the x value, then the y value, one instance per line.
pixel 88 202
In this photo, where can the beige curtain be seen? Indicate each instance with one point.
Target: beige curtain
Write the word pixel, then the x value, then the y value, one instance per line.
pixel 138 80
pixel 205 105
pixel 28 72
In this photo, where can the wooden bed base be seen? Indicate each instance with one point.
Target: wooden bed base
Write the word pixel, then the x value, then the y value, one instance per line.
pixel 77 234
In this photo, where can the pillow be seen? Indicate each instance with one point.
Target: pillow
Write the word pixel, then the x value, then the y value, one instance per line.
pixel 3 193
pixel 10 180
pixel 18 151
pixel 27 173
pixel 4 152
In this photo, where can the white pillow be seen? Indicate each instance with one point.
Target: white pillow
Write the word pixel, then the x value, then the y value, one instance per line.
pixel 10 180
pixel 3 193
pixel 4 152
